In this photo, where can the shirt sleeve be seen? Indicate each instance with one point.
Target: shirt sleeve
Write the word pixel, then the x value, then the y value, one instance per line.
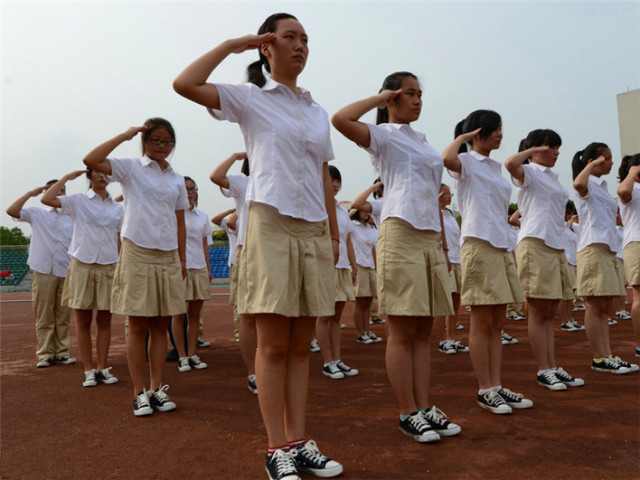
pixel 528 177
pixel 120 168
pixel 378 136
pixel 120 217
pixel 237 188
pixel 376 207
pixel 207 230
pixel 68 203
pixel 233 101
pixel 463 170
pixel 182 202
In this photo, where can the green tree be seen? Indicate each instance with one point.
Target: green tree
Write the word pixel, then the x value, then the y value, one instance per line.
pixel 13 236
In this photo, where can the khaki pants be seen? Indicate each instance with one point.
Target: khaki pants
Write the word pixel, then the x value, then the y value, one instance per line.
pixel 52 318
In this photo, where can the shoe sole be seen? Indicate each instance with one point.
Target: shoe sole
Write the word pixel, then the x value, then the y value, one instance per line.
pixel 433 437
pixel 290 477
pixel 519 406
pixel 575 383
pixel 556 387
pixel 143 412
pixel 164 409
pixel 89 384
pixel 448 432
pixel 351 373
pixel 109 382
pixel 333 376
pixel 615 372
pixel 323 472
pixel 199 367
pixel 495 410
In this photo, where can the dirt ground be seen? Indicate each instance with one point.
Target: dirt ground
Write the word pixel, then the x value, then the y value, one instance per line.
pixel 53 428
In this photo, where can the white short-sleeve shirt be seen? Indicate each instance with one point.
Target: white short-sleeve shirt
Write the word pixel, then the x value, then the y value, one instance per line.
pixel 376 209
pixel 570 242
pixel 452 234
pixel 151 198
pixel 411 171
pixel 238 191
pixel 345 226
pixel 96 224
pixel 597 211
pixel 483 195
pixel 542 203
pixel 620 233
pixel 287 137
pixel 198 227
pixel 363 244
pixel 233 241
pixel 50 240
pixel 630 214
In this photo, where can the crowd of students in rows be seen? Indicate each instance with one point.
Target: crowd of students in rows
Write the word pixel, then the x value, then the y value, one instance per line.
pixel 299 257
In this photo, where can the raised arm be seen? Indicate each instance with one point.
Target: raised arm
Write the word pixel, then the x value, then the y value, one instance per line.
pixel 514 219
pixel 218 218
pixel 50 197
pixel 581 182
pixel 346 120
pixel 192 82
pixel 514 162
pixel 625 190
pixel 219 174
pixel 97 160
pixel 361 203
pixel 450 154
pixel 15 207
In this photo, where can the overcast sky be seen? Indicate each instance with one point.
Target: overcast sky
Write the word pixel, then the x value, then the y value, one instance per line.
pixel 75 74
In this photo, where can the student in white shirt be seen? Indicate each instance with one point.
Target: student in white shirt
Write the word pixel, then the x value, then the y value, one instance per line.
pixel 489 276
pixel 599 275
pixel 629 202
pixel 148 282
pixel 570 239
pixel 542 264
pixel 328 331
pixel 290 199
pixel 49 259
pixel 364 238
pixel 450 345
pixel 97 221
pixel 197 282
pixel 413 279
pixel 374 207
pixel 235 186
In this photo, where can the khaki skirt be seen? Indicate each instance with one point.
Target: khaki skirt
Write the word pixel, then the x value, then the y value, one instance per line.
pixel 147 282
pixel 286 266
pixel 87 286
pixel 631 254
pixel 366 284
pixel 197 284
pixel 543 271
pixel 599 273
pixel 455 278
pixel 489 275
pixel 412 271
pixel 344 285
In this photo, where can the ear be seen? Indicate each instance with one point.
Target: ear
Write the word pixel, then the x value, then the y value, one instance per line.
pixel 264 49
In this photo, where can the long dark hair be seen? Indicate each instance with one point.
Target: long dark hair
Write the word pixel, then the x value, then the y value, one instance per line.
pixel 392 82
pixel 254 71
pixel 152 125
pixel 628 161
pixel 538 138
pixel 582 157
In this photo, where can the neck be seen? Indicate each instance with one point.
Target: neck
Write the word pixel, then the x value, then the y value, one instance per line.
pixel 101 192
pixel 290 82
pixel 482 150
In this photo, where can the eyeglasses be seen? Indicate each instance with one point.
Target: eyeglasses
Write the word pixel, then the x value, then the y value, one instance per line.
pixel 192 189
pixel 159 141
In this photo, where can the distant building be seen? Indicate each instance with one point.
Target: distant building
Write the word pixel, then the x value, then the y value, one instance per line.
pixel 629 121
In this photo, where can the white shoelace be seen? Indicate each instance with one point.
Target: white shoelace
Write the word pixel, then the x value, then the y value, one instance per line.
pixel 284 462
pixel 550 377
pixel 436 415
pixel 106 373
pixel 160 392
pixel 419 422
pixel 311 452
pixel 495 399
pixel 515 397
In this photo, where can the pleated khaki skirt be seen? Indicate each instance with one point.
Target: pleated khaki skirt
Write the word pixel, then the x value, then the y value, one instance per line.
pixel 197 284
pixel 412 271
pixel 87 286
pixel 455 278
pixel 147 282
pixel 345 291
pixel 489 275
pixel 599 273
pixel 286 266
pixel 366 283
pixel 631 254
pixel 543 271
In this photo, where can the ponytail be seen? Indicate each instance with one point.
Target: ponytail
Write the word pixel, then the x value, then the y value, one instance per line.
pixel 627 162
pixel 255 75
pixel 487 121
pixel 457 131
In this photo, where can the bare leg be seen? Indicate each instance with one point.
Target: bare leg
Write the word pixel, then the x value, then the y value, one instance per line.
pixel 635 313
pixel 495 344
pixel 193 314
pixel 157 349
pixel 103 340
pixel 83 332
pixel 399 359
pixel 248 342
pixel 595 320
pixel 481 319
pixel 177 330
pixel 136 357
pixel 452 320
pixel 422 362
pixel 540 321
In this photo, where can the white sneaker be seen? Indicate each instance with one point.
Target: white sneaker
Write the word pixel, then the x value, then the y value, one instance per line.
pixel 195 362
pixel 314 346
pixel 89 379
pixel 183 364
pixel 332 371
